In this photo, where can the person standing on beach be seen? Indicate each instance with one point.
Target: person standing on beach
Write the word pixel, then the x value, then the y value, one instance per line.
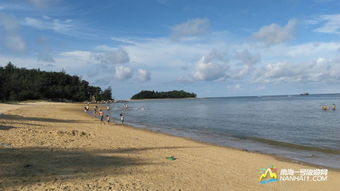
pixel 101 114
pixel 122 118
pixel 95 110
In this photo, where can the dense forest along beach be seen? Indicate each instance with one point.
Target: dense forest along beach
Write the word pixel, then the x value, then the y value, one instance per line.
pixel 19 84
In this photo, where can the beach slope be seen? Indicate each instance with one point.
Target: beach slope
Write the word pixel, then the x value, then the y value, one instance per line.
pixel 57 146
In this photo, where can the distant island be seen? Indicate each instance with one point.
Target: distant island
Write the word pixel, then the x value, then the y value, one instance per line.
pixel 163 95
pixel 304 94
pixel 19 84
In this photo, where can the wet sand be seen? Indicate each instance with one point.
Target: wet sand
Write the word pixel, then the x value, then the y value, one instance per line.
pixel 57 146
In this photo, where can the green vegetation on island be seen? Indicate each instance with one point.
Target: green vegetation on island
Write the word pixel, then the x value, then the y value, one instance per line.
pixel 19 84
pixel 162 95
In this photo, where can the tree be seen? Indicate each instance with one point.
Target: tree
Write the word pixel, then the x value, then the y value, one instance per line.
pixel 17 84
pixel 107 94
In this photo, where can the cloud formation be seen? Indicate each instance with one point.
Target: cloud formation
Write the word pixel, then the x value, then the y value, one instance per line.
pixel 143 75
pixel 116 56
pixel 246 60
pixel 331 24
pixel 122 72
pixel 194 27
pixel 208 71
pixel 56 25
pixel 320 70
pixel 275 34
pixel 104 66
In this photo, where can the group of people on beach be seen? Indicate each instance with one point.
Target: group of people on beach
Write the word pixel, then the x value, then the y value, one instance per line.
pixel 326 107
pixel 99 112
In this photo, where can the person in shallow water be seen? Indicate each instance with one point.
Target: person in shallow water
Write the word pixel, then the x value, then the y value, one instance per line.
pixel 325 107
pixel 334 107
pixel 122 118
pixel 108 119
pixel 95 110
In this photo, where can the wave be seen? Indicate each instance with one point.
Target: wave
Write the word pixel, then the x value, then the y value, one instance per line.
pixel 290 145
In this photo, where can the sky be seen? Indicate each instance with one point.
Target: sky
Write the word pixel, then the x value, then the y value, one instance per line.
pixel 215 48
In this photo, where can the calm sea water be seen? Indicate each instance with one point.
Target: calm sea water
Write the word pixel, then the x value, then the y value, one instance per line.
pixel 294 127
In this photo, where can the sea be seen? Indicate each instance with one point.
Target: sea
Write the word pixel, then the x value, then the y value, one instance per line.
pixel 289 126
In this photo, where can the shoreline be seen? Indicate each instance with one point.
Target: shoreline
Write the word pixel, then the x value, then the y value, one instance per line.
pixel 266 142
pixel 278 157
pixel 64 146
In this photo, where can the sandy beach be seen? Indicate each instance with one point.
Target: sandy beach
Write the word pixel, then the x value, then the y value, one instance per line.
pixel 57 146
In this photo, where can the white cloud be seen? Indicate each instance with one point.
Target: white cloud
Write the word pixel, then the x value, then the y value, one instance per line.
pixel 190 28
pixel 12 38
pixel 313 48
pixel 206 70
pixel 68 27
pixel 143 75
pixel 320 70
pixel 116 56
pixel 56 25
pixel 107 58
pixel 78 55
pixel 241 63
pixel 167 53
pixel 247 58
pixel 275 34
pixel 123 40
pixel 122 72
pixel 237 86
pixel 246 61
pixel 99 65
pixel 331 24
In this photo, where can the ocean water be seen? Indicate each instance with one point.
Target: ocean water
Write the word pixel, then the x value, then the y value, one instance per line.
pixel 293 127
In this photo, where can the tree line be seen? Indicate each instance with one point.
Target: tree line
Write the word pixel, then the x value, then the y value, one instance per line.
pixel 160 95
pixel 19 84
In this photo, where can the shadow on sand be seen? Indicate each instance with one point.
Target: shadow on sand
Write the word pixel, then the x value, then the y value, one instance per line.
pixel 38 119
pixel 26 166
pixel 11 121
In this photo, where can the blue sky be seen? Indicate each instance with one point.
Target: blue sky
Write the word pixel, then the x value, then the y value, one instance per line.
pixel 213 48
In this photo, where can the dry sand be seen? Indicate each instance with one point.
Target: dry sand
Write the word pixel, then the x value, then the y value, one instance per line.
pixel 56 146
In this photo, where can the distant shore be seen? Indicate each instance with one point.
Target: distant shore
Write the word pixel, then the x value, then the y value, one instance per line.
pixel 162 99
pixel 57 145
